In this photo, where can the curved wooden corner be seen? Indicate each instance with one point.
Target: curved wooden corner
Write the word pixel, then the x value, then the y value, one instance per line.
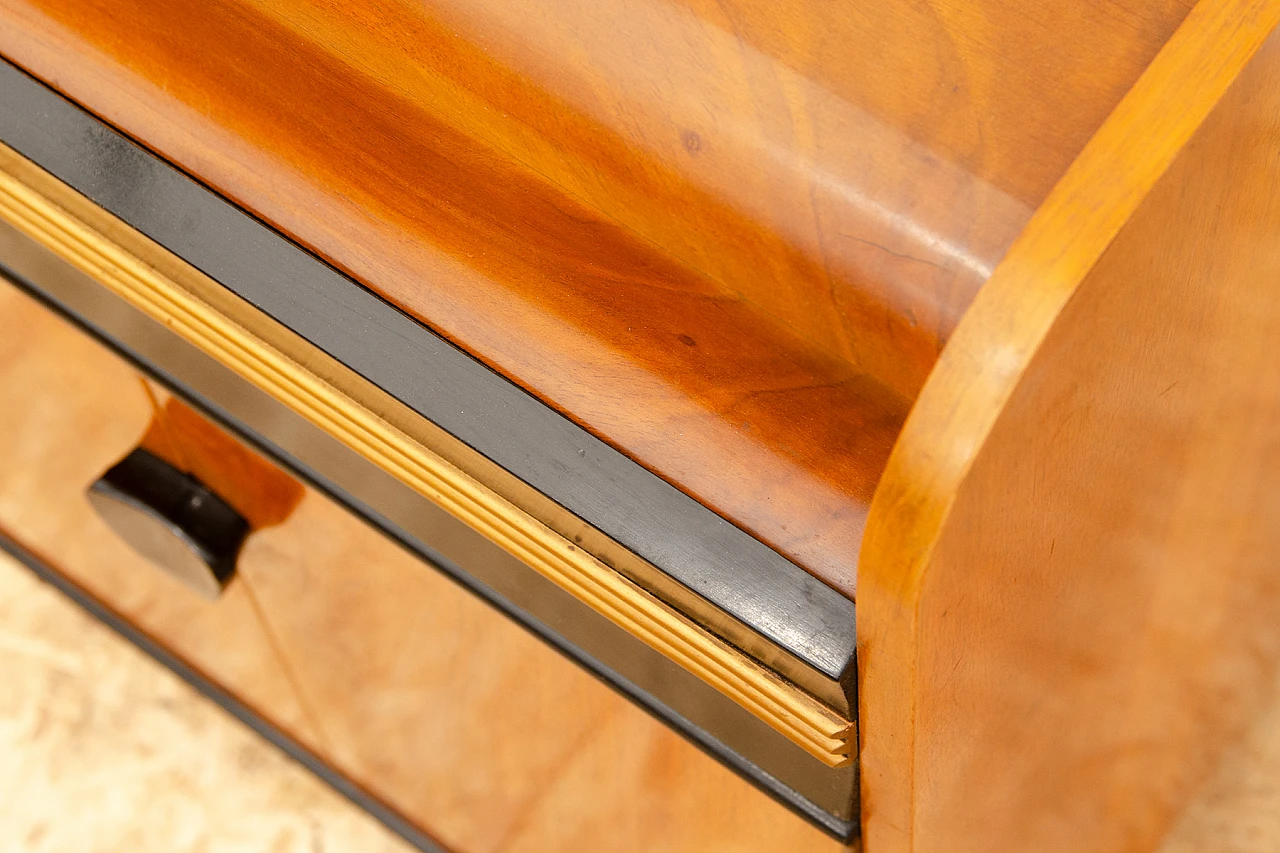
pixel 366 420
pixel 1023 568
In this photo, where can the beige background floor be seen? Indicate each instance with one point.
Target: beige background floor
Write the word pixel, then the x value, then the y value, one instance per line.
pixel 102 749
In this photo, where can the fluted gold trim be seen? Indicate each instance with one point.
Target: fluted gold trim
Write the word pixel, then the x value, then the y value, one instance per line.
pixel 337 400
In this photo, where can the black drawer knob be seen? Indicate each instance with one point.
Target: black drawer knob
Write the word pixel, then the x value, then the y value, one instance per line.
pixel 171 519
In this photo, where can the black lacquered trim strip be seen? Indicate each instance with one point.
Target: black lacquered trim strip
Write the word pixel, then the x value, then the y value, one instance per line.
pixel 842 830
pixel 692 544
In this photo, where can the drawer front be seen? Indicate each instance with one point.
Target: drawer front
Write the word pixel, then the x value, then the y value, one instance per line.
pixel 745 655
pixel 463 722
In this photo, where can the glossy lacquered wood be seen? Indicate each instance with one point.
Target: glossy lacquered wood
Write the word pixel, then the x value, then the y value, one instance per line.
pixel 1069 589
pixel 473 729
pixel 733 244
pixel 727 218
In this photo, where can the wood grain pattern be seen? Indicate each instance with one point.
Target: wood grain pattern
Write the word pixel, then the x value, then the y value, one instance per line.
pixel 402 443
pixel 755 223
pixel 68 411
pixel 474 729
pixel 750 142
pixel 1069 584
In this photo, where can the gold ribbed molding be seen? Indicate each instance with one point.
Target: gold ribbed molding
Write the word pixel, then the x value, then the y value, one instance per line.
pixel 405 445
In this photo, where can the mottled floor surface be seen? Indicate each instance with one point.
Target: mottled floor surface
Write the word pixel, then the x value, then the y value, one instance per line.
pixel 1238 811
pixel 102 749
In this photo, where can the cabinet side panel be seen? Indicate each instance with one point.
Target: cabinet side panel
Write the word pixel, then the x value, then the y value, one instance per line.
pixel 1100 613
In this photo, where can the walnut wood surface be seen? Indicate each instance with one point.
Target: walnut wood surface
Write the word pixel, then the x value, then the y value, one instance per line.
pixel 474 729
pixel 730 239
pixel 1069 598
pixel 1238 809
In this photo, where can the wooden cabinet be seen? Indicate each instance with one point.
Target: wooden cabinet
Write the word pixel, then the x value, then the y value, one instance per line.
pixel 895 379
pixel 477 732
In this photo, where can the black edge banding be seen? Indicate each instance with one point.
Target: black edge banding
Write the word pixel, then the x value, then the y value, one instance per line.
pixel 691 543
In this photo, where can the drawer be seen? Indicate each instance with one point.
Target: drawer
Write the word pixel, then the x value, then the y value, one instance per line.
pixel 881 396
pixel 900 437
pixel 355 649
pixel 716 635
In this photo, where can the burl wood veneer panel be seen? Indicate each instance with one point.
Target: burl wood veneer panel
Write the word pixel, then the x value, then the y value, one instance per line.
pixel 103 750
